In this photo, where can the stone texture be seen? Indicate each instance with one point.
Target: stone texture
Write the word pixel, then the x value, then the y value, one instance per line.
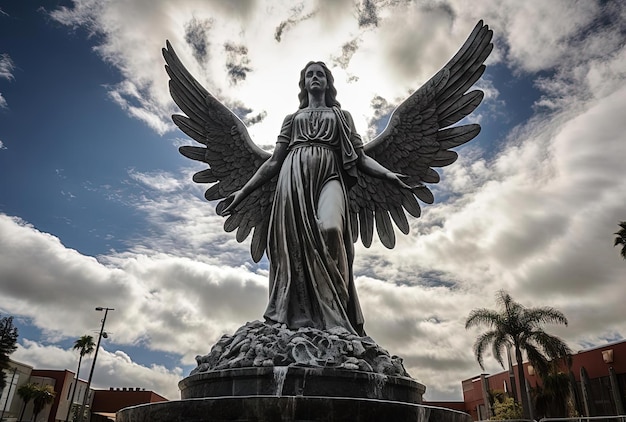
pixel 295 381
pixel 258 344
pixel 283 409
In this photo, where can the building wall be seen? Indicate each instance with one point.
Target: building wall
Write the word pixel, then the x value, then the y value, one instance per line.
pixel 591 359
pixel 63 385
pixel 17 375
pixel 112 400
pixel 39 380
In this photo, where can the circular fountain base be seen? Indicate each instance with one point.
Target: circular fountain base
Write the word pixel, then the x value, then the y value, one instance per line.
pixel 289 393
pixel 299 381
pixel 288 409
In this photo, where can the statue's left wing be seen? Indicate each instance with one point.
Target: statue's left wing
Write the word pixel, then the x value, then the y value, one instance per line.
pixel 228 150
pixel 418 139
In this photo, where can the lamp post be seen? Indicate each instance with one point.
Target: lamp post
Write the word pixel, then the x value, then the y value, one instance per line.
pixel 81 414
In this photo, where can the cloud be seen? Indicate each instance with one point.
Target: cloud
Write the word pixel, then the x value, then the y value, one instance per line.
pixel 162 182
pixel 536 217
pixel 367 14
pixel 237 62
pixel 347 51
pixel 297 14
pixel 154 291
pixel 197 36
pixel 6 72
pixel 113 369
pixel 6 67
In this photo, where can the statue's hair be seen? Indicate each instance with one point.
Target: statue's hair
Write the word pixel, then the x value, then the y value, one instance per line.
pixel 330 96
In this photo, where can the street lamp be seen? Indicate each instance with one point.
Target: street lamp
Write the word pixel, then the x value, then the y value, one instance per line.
pixel 81 415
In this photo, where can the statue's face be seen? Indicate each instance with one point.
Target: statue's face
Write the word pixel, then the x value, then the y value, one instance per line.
pixel 315 78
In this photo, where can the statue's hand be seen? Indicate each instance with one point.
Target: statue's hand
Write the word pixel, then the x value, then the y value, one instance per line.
pixel 399 180
pixel 235 199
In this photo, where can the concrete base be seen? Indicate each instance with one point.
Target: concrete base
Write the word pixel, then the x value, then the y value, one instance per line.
pixel 287 409
pixel 293 393
pixel 301 381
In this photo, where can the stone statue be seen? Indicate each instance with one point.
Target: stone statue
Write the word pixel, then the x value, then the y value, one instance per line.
pixel 321 188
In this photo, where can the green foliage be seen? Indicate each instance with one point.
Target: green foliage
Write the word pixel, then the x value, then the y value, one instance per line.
pixel 41 395
pixel 553 399
pixel 620 238
pixel 85 345
pixel 496 396
pixel 44 395
pixel 507 409
pixel 8 345
pixel 26 393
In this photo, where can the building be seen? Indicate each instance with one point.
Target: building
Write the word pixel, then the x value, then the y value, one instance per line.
pixel 102 403
pixel 599 376
pixel 63 386
pixel 107 402
pixel 17 375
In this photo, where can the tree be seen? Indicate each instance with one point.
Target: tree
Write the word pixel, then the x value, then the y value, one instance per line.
pixel 553 398
pixel 8 345
pixel 621 238
pixel 42 396
pixel 519 327
pixel 506 408
pixel 26 393
pixel 85 346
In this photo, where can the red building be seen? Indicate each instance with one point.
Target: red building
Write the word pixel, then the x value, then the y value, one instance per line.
pixel 103 404
pixel 604 388
pixel 63 384
pixel 107 402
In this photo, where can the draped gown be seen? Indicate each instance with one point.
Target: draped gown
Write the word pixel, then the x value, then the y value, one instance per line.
pixel 310 247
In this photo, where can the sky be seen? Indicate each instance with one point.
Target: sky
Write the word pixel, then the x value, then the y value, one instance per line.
pixel 97 207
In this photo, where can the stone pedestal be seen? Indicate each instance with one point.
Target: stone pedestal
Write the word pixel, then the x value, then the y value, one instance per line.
pixel 269 373
pixel 297 381
pixel 288 409
pixel 288 393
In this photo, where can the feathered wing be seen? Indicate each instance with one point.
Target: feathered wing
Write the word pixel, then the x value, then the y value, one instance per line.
pixel 418 139
pixel 228 150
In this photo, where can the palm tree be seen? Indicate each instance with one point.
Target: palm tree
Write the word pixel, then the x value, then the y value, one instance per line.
pixel 519 327
pixel 26 393
pixel 85 346
pixel 621 238
pixel 43 395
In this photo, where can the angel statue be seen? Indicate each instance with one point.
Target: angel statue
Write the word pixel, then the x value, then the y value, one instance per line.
pixel 309 200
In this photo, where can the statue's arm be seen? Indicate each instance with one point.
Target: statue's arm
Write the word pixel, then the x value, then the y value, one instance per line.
pixel 266 171
pixel 372 167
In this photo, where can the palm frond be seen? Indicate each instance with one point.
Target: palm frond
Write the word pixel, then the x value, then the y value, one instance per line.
pixel 483 316
pixel 500 342
pixel 552 346
pixel 482 342
pixel 546 314
pixel 537 359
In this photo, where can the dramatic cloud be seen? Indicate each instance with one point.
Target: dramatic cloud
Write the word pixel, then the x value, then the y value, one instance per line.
pixel 197 36
pixel 237 62
pixel 534 215
pixel 6 72
pixel 297 14
pixel 113 369
pixel 367 14
pixel 6 67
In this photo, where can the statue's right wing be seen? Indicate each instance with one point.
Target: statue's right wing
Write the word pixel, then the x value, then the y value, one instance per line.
pixel 419 138
pixel 228 150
